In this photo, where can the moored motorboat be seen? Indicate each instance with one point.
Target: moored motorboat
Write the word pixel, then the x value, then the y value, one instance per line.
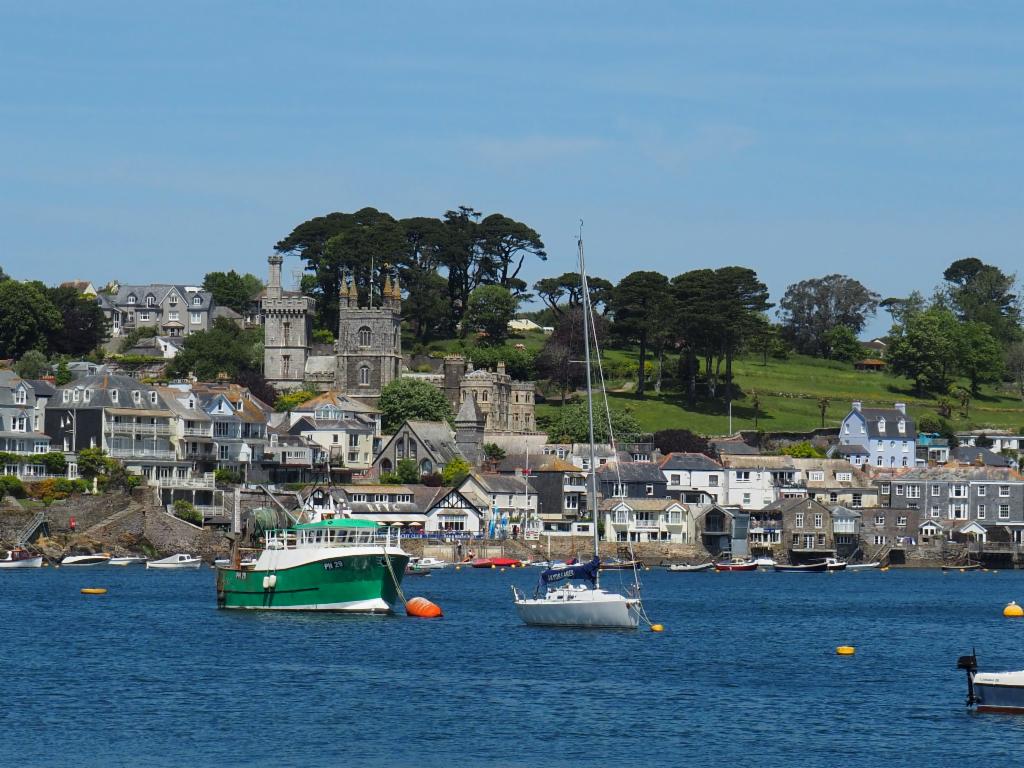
pixel 496 562
pixel 834 564
pixel 413 570
pixel 863 566
pixel 127 560
pixel 179 562
pixel 428 563
pixel 801 568
pixel 97 559
pixel 993 691
pixel 21 558
pixel 336 564
pixel 736 564
pixel 966 567
pixel 764 562
pixel 687 568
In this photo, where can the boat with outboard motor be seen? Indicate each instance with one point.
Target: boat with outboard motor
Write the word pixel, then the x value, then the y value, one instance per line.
pixel 179 562
pixel 19 557
pixel 736 564
pixel 687 568
pixel 330 564
pixel 127 560
pixel 992 691
pixel 557 601
pixel 874 565
pixel 801 568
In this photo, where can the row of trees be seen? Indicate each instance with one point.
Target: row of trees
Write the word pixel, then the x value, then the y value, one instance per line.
pixel 439 261
pixel 51 320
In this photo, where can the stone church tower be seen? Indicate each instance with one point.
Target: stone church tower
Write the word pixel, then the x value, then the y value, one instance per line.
pixel 369 347
pixel 287 321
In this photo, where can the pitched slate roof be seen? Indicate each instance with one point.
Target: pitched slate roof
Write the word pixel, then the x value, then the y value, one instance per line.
pixel 891 416
pixel 492 483
pixel 644 504
pixel 734 448
pixel 969 454
pixel 689 462
pixel 630 472
pixel 159 292
pixel 101 385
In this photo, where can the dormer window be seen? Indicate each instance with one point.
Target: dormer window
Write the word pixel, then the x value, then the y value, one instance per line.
pixel 66 396
pixel 76 395
pixel 87 395
pixel 902 426
pixel 197 301
pixel 19 396
pixel 172 300
pixel 153 398
pixel 150 300
pixel 191 404
pixel 881 425
pixel 136 396
pixel 131 299
pixel 113 395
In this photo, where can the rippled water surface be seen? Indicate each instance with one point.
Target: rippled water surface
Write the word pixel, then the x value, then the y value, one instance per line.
pixel 745 673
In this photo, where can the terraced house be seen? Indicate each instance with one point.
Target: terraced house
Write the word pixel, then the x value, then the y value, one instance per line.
pixel 951 498
pixel 127 419
pixel 21 422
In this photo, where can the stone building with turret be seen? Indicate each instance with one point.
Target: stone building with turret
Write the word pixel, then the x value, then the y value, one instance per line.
pixel 287 324
pixel 368 352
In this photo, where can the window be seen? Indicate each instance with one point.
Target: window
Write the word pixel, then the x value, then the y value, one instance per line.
pixel 858 501
pixel 899 490
pixel 364 337
pixel 172 300
pixel 136 396
pixel 131 299
pixel 981 512
pixel 746 499
pixel 913 491
pixel 901 426
pixel 19 396
pixel 844 477
pixel 676 479
pixel 817 477
pixel 197 301
pixel 958 511
pixel 881 426
pixel 113 395
pixel 742 476
pixel 353 441
pixel 904 462
pixel 713 480
pixel 936 490
pixel 878 461
pixel 619 489
pixel 153 398
pixel 649 489
pixel 195 318
pixel 572 501
pixel 958 491
pixel 143 316
pixel 901 521
pixel 981 490
pixel 798 520
pixel 1004 490
pixel 833 497
pixel 1004 511
pixel 364 376
pixel 883 488
pixel 879 519
pixel 821 539
pixel 935 511
pixel 818 520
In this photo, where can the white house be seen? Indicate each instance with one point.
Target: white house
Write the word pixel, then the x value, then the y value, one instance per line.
pixel 694 478
pixel 645 519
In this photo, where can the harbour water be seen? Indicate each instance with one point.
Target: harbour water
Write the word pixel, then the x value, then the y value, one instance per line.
pixel 745 673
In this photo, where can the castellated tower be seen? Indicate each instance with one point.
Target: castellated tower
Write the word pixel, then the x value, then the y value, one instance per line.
pixel 369 346
pixel 287 324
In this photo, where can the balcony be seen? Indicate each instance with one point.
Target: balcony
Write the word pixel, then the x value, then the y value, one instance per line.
pixel 134 428
pixel 199 431
pixel 204 483
pixel 194 454
pixel 142 453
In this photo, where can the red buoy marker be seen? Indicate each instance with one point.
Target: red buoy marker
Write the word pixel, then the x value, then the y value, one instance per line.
pixel 422 608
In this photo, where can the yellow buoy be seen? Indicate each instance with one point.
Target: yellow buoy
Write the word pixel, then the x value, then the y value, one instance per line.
pixel 502 570
pixel 458 567
pixel 1013 611
pixel 657 628
pixel 94 591
pixel 845 650
pixel 493 566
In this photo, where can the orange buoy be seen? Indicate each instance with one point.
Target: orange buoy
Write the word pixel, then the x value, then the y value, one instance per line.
pixel 422 608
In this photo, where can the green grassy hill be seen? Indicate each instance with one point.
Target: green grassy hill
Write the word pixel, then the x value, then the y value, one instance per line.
pixel 789 391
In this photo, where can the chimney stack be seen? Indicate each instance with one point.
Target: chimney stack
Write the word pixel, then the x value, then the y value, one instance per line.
pixel 856 405
pixel 901 407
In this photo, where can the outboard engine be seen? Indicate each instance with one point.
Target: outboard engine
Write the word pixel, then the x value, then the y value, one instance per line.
pixel 970 665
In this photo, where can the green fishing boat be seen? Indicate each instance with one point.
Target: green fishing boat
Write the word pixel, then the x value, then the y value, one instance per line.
pixel 337 564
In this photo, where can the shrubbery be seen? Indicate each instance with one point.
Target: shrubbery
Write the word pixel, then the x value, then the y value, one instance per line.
pixel 187 512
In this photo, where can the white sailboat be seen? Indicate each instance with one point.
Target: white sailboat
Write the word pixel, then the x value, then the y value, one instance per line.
pixel 584 604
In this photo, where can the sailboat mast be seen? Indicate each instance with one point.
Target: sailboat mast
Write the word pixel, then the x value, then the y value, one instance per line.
pixel 592 477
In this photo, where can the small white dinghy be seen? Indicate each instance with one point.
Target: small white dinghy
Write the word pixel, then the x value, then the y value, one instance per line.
pixel 176 562
pixel 427 564
pixel 98 559
pixel 127 560
pixel 687 568
pixel 863 566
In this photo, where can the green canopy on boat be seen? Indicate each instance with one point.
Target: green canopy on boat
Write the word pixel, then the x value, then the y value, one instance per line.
pixel 338 522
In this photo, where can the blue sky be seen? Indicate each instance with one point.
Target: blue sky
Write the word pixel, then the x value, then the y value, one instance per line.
pixel 159 141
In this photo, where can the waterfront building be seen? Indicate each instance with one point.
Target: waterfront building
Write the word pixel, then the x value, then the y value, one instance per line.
pixel 511 496
pixel 560 487
pixel 346 429
pixel 721 530
pixel 429 444
pixel 884 437
pixel 124 417
pixel 631 479
pixel 645 520
pixel 22 422
pixel 693 478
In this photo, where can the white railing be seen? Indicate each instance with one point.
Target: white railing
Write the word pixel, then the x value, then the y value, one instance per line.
pixel 199 431
pixel 132 428
pixel 205 483
pixel 141 453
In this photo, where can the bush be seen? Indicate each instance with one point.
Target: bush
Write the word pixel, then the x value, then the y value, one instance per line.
pixel 225 476
pixel 185 511
pixel 323 336
pixel 407 471
pixel 802 450
pixel 292 399
pixel 389 478
pixel 11 486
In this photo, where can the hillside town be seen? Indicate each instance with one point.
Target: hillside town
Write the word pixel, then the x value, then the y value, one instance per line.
pixel 875 488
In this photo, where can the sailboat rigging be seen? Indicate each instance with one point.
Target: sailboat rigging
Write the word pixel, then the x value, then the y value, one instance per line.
pixel 585 604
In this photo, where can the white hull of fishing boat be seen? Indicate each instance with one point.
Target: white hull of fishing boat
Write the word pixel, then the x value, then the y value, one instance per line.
pixel 176 562
pixel 25 562
pixel 427 564
pixel 570 606
pixel 80 560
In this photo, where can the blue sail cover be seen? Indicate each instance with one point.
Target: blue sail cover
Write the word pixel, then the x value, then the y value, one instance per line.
pixel 586 571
